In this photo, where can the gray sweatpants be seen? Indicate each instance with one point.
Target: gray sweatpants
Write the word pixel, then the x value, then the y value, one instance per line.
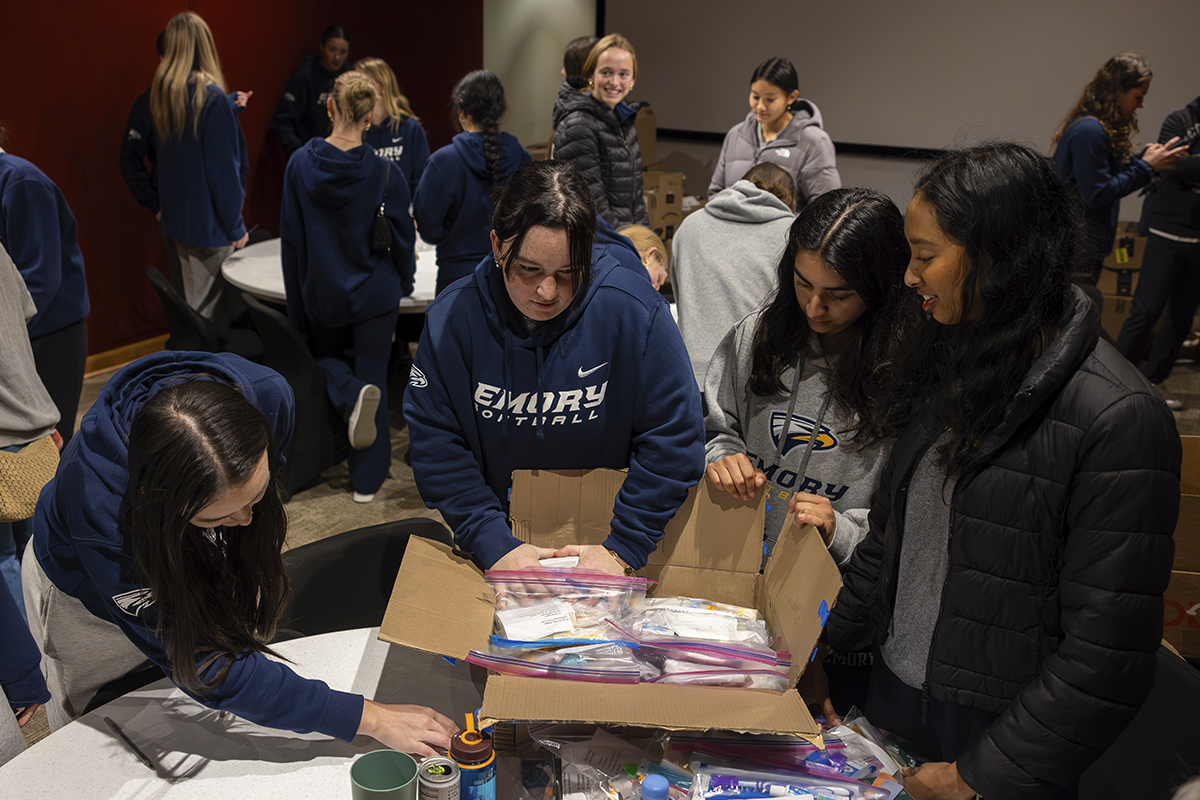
pixel 204 287
pixel 12 741
pixel 80 651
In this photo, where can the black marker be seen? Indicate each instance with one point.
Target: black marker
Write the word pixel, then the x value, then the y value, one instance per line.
pixel 128 742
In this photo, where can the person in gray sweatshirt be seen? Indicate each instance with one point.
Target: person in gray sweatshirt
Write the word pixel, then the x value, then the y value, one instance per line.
pixel 782 128
pixel 787 384
pixel 724 258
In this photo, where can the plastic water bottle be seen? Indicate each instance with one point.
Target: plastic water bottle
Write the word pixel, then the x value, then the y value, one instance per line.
pixel 654 787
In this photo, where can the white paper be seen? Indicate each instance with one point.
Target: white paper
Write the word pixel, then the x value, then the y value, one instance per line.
pixel 537 621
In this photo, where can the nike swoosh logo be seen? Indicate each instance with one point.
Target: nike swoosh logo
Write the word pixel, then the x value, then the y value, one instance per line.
pixel 584 374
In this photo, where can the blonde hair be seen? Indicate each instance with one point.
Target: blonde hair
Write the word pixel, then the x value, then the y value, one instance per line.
pixel 1101 99
pixel 189 53
pixel 354 95
pixel 643 239
pixel 608 42
pixel 395 104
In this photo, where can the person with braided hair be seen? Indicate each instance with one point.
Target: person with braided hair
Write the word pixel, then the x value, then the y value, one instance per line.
pixel 452 204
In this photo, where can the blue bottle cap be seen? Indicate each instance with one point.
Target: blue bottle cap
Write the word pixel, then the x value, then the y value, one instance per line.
pixel 654 787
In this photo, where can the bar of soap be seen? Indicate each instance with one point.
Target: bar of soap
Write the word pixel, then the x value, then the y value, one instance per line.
pixel 536 621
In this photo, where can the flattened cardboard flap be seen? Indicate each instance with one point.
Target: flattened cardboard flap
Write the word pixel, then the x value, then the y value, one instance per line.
pixel 801 584
pixel 1189 472
pixel 440 603
pixel 556 508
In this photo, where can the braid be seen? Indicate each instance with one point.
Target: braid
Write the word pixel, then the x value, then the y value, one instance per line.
pixel 480 96
pixel 491 148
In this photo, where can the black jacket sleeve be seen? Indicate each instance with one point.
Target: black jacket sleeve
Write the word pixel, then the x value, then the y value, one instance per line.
pixel 288 112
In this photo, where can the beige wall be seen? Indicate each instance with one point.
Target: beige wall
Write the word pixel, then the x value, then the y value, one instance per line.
pixel 522 43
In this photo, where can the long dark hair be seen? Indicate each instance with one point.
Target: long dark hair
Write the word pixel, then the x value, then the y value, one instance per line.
pixel 219 592
pixel 779 72
pixel 480 96
pixel 1018 225
pixel 859 234
pixel 549 194
pixel 1101 99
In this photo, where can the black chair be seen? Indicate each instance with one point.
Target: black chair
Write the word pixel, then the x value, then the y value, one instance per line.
pixel 1161 747
pixel 344 582
pixel 191 331
pixel 319 437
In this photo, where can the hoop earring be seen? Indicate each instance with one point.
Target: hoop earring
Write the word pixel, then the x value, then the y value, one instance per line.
pixel 367 128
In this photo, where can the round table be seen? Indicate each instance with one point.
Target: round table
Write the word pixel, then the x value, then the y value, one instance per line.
pixel 258 269
pixel 203 754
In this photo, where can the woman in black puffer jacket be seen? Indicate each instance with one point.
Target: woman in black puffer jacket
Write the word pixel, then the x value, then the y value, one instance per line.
pixel 1020 541
pixel 595 132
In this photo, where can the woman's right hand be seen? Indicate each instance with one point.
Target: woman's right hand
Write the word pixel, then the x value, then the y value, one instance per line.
pixel 526 556
pixel 409 729
pixel 1164 156
pixel 736 475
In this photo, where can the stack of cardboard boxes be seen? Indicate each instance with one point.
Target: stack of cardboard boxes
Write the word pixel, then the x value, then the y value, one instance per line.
pixel 1181 605
pixel 663 189
pixel 1118 278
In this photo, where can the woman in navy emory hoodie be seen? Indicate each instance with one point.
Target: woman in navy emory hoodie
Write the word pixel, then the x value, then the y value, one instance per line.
pixel 395 132
pixel 339 293
pixel 202 163
pixel 543 317
pixel 103 580
pixel 452 204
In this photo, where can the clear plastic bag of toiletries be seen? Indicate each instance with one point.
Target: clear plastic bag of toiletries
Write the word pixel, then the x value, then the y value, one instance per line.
pixel 697 618
pixel 590 595
pixel 713 778
pixel 737 678
pixel 593 662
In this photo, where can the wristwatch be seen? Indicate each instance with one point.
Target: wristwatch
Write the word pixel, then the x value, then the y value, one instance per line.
pixel 629 571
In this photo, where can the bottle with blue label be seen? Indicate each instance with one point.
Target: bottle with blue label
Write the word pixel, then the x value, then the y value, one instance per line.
pixel 472 751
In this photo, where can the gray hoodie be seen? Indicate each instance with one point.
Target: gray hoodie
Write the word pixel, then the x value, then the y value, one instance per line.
pixel 737 421
pixel 803 148
pixel 723 261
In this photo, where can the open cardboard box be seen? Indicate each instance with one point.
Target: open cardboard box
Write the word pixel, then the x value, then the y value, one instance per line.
pixel 712 549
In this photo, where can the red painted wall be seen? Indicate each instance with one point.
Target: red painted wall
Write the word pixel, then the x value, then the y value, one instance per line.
pixel 73 70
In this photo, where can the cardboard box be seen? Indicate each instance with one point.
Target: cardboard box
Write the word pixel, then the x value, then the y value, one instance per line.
pixel 1120 272
pixel 664 201
pixel 712 548
pixel 1114 313
pixel 1181 604
pixel 647 131
pixel 1181 613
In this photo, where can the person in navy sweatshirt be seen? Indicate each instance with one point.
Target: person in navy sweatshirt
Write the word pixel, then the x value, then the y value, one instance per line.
pixel 300 115
pixel 452 204
pixel 339 292
pixel 202 164
pixel 175 558
pixel 549 357
pixel 395 131
pixel 37 229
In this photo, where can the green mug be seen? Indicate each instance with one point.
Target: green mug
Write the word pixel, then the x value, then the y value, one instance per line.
pixel 384 774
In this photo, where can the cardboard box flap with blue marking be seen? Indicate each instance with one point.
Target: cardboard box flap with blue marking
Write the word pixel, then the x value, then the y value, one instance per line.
pixel 712 548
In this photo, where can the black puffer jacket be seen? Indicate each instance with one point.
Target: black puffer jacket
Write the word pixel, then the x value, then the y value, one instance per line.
pixel 605 150
pixel 1060 550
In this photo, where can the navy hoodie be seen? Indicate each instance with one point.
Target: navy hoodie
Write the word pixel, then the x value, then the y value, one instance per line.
pixel 301 114
pixel 38 231
pixel 202 175
pixel 79 543
pixel 452 204
pixel 617 391
pixel 138 158
pixel 406 147
pixel 330 199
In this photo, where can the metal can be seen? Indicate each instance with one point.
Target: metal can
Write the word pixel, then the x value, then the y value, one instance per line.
pixel 438 779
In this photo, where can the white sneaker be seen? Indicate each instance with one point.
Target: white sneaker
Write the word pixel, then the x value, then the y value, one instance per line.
pixel 361 428
pixel 1173 402
pixel 363 498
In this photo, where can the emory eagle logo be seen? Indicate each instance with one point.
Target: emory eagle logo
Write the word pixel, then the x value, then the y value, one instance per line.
pixel 799 432
pixel 133 601
pixel 416 378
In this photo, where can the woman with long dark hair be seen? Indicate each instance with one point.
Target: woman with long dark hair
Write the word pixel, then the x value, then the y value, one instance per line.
pixel 342 291
pixel 202 163
pixel 1020 541
pixel 552 356
pixel 453 203
pixel 174 558
pixel 1093 150
pixel 595 131
pixel 300 115
pixel 782 128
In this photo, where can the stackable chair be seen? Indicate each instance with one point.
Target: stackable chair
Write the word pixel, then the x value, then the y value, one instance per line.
pixel 319 435
pixel 344 582
pixel 191 331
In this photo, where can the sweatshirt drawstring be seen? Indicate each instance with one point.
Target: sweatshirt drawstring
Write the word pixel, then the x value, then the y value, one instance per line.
pixel 787 422
pixel 507 383
pixel 541 402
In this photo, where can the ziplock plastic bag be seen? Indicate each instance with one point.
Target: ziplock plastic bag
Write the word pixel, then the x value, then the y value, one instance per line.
pixel 732 655
pixel 745 679
pixel 698 618
pixel 605 662
pixel 587 595
pixel 715 778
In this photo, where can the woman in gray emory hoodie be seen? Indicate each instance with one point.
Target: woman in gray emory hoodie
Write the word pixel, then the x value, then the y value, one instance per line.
pixel 781 403
pixel 802 147
pixel 724 258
